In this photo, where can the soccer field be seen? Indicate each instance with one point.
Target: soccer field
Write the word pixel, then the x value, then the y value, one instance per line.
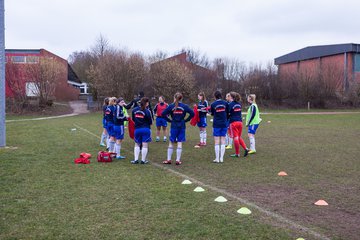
pixel 44 195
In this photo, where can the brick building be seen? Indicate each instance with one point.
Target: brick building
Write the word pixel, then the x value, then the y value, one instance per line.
pixel 68 85
pixel 340 62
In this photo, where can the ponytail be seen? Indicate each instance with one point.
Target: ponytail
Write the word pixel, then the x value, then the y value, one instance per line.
pixel 236 96
pixel 143 102
pixel 177 98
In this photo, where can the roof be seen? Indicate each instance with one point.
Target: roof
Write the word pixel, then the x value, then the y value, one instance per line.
pixel 317 52
pixel 23 51
pixel 72 75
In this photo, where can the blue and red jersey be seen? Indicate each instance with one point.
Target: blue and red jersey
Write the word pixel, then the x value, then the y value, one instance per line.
pixel 202 108
pixel 159 108
pixel 178 115
pixel 219 109
pixel 119 115
pixel 235 114
pixel 141 118
pixel 109 113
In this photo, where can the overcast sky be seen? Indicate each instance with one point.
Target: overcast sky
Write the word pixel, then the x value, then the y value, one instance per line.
pixel 252 31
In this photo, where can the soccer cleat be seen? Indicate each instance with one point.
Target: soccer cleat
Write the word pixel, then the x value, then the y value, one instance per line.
pixel 157 140
pixel 246 152
pixel 252 152
pixel 144 162
pixel 203 144
pixel 134 161
pixel 228 147
pixel 167 162
pixel 235 155
pixel 102 145
pixel 216 161
pixel 120 157
pixel 164 140
pixel 178 162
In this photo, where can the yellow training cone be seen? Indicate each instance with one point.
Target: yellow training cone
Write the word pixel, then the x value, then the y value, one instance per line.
pixel 220 199
pixel 199 189
pixel 321 203
pixel 186 182
pixel 244 210
pixel 282 173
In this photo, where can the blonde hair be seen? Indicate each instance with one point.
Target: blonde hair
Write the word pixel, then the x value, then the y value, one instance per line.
pixel 112 100
pixel 252 97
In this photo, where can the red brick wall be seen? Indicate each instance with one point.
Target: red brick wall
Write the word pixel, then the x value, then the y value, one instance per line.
pixel 312 67
pixel 64 91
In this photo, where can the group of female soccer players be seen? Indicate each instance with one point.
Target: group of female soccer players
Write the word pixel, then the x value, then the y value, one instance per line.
pixel 227 123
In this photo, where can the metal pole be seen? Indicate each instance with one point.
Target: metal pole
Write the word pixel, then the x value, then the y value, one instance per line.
pixel 2 75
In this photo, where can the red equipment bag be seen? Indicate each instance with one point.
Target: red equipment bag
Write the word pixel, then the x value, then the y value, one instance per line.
pixel 104 157
pixel 82 160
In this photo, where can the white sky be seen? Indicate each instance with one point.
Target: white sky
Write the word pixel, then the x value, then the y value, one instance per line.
pixel 251 31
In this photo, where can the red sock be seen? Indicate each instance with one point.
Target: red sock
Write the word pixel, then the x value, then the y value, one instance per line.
pixel 237 146
pixel 242 143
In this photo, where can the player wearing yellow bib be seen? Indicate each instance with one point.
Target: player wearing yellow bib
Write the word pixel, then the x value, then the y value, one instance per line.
pixel 252 121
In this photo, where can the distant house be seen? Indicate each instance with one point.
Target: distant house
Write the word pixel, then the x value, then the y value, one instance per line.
pixel 68 85
pixel 340 61
pixel 204 77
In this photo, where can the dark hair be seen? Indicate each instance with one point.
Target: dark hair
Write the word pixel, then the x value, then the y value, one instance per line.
pixel 141 94
pixel 143 102
pixel 106 101
pixel 178 97
pixel 217 94
pixel 236 96
pixel 203 96
pixel 119 100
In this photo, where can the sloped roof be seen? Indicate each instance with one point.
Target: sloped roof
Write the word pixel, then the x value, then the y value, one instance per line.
pixel 72 76
pixel 317 52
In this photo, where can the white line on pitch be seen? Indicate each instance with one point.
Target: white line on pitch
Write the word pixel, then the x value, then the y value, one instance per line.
pixel 239 199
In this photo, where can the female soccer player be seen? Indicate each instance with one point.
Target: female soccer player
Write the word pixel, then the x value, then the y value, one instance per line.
pixel 160 121
pixel 119 118
pixel 177 111
pixel 219 109
pixel 109 116
pixel 142 136
pixel 252 121
pixel 104 135
pixel 202 109
pixel 235 123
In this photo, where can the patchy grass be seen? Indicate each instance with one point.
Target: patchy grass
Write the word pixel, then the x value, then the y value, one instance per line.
pixel 44 195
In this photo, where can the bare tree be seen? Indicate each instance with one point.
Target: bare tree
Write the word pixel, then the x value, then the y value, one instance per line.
pixel 169 77
pixel 45 75
pixel 196 57
pixel 16 83
pixel 118 73
pixel 101 46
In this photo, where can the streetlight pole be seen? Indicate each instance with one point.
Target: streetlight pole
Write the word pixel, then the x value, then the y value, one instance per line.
pixel 2 75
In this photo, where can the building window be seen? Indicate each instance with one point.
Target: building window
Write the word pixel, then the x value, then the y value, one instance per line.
pixel 32 59
pixel 31 89
pixel 357 63
pixel 18 59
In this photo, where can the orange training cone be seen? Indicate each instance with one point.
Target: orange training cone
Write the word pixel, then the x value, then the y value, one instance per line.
pixel 321 203
pixel 282 173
